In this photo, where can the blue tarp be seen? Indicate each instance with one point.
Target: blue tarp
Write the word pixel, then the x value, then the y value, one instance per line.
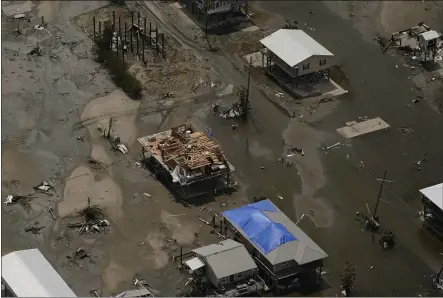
pixel 259 228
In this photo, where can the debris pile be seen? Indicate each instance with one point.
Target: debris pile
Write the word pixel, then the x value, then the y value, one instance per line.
pixel 79 254
pixel 93 220
pixel 11 199
pixel 387 240
pixel 35 229
pixel 43 187
pixel 236 110
pixel 96 226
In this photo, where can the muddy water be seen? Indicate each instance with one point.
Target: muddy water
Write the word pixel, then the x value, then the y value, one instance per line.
pixel 49 10
pixel 311 173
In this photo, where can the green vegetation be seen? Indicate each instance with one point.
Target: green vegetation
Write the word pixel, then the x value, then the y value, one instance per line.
pixel 116 65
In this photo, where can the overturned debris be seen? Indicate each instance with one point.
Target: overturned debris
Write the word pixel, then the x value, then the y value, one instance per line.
pixel 387 240
pixel 34 229
pixel 79 254
pixel 97 226
pixel 43 187
pixel 11 199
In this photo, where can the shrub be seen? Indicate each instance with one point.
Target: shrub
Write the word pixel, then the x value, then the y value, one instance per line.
pixel 116 66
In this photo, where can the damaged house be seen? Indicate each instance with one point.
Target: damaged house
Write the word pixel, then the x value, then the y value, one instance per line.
pixel 425 43
pixel 294 59
pixel 285 255
pixel 228 267
pixel 432 198
pixel 215 12
pixel 186 156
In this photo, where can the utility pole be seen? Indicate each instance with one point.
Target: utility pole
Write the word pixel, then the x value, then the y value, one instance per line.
pixel 379 195
pixel 245 102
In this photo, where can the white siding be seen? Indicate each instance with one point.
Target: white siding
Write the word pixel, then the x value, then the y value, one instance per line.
pixel 314 64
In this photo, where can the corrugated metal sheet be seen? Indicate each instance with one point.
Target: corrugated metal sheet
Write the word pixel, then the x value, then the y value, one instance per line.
pixel 28 274
pixel 293 46
pixel 434 194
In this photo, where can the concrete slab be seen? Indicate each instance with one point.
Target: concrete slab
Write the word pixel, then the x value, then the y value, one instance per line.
pixel 12 8
pixel 256 59
pixel 362 128
pixel 250 29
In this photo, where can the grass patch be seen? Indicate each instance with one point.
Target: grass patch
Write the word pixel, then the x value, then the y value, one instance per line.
pixel 116 66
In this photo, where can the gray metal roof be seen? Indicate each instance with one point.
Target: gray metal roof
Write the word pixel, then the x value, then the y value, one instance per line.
pixel 226 258
pixel 28 274
pixel 303 250
pixel 434 194
pixel 293 46
pixel 429 35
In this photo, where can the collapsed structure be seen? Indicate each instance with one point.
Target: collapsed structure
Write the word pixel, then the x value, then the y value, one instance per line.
pixel 186 155
pixel 292 57
pixel 432 198
pixel 425 43
pixel 285 255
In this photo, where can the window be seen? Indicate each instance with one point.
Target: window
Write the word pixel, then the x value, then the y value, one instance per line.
pixel 305 66
pixel 240 275
pixel 322 62
pixel 223 280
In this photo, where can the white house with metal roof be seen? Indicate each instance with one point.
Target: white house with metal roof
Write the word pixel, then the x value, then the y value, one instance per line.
pixel 225 263
pixel 432 198
pixel 27 273
pixel 296 52
pixel 283 252
pixel 292 56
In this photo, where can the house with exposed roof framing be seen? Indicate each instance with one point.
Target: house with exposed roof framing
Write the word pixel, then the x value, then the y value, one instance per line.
pixel 185 156
pixel 432 198
pixel 285 255
pixel 295 59
pixel 27 273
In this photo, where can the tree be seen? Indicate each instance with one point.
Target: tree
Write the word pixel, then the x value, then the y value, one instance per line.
pixel 242 94
pixel 347 277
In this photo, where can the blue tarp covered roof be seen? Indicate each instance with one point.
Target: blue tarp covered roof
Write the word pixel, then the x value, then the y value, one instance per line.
pixel 266 234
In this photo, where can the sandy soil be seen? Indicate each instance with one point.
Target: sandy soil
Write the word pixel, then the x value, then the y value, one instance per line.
pixel 61 92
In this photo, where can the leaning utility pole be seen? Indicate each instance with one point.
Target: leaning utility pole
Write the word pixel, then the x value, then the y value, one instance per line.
pixel 379 195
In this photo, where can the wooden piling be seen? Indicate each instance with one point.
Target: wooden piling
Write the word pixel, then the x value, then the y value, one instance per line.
pixel 125 31
pixel 119 27
pixel 99 29
pixel 163 44
pixel 136 38
pixel 156 38
pixel 181 255
pixel 43 21
pixel 150 30
pixel 143 41
pixel 113 21
pixel 132 23
pixel 116 45
pixel 93 23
